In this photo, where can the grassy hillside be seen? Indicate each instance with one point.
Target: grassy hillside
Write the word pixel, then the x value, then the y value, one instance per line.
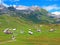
pixel 37 16
pixel 37 38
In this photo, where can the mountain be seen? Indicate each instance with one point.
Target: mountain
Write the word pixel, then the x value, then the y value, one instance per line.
pixel 57 17
pixel 33 14
pixel 3 9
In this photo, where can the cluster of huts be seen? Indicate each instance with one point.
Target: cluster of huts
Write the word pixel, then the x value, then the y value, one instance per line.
pixel 8 31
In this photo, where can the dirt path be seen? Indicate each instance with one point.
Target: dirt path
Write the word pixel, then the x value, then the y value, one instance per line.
pixel 7 41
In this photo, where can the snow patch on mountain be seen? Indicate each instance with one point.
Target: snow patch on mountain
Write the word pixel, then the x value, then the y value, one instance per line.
pixel 22 7
pixel 56 13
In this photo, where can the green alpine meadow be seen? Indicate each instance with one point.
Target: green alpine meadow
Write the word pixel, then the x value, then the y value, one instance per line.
pixel 31 26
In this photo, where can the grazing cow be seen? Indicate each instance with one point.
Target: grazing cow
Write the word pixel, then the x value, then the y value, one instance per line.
pixel 30 32
pixel 51 30
pixel 38 30
pixel 13 37
pixel 14 29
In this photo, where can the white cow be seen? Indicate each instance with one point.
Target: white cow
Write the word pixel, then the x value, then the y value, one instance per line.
pixel 51 30
pixel 38 30
pixel 14 29
pixel 30 32
pixel 13 37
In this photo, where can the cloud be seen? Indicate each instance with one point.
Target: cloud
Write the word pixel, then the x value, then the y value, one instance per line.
pixel 2 2
pixel 51 7
pixel 5 5
pixel 56 13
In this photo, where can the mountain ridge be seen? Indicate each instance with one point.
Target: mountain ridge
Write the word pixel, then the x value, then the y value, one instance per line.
pixel 33 13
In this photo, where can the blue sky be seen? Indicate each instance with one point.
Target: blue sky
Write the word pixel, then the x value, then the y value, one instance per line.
pixel 32 2
pixel 50 5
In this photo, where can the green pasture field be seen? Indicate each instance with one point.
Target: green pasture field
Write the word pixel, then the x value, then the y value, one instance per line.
pixel 37 38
